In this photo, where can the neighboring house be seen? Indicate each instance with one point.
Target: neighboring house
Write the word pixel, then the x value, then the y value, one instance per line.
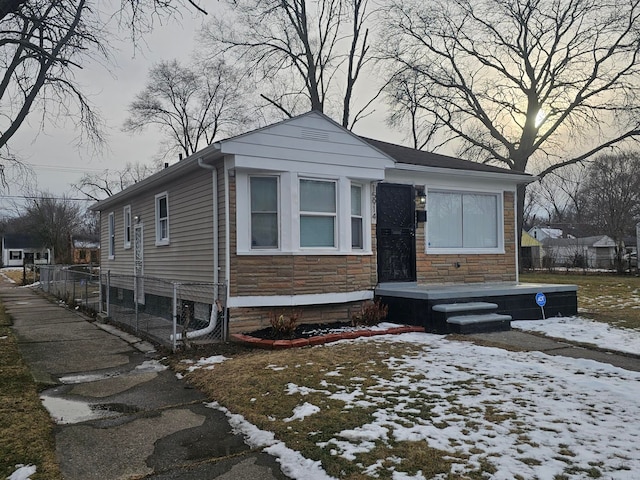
pixel 85 250
pixel 305 215
pixel 542 233
pixel 589 252
pixel 530 251
pixel 19 249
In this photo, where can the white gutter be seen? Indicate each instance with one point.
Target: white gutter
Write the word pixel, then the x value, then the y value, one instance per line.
pixel 512 177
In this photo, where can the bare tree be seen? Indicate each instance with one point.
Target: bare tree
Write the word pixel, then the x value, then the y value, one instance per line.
pixel 523 80
pixel 53 220
pixel 312 53
pixel 611 197
pixel 109 182
pixel 192 105
pixel 43 43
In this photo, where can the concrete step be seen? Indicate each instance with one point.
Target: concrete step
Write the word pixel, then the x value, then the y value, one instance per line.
pixel 464 307
pixel 486 322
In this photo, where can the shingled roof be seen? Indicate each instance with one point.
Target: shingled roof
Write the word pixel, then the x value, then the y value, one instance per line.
pixel 427 159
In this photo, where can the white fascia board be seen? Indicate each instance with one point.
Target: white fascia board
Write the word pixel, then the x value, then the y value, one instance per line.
pixel 511 178
pixel 298 300
pixel 313 168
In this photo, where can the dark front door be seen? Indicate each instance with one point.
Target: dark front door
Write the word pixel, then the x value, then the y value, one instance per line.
pixel 396 233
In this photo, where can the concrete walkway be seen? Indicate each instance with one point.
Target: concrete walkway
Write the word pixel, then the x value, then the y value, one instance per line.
pixel 119 413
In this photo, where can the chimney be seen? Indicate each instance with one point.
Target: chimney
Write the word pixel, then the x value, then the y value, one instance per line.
pixel 179 156
pixel 166 164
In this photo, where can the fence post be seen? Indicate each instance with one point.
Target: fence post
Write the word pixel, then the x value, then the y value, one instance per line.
pixel 99 291
pixel 174 315
pixel 108 293
pixel 86 291
pixel 135 298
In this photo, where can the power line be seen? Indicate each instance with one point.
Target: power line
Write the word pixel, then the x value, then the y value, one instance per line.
pixel 35 197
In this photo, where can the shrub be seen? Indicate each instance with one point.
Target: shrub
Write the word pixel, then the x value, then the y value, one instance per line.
pixel 370 313
pixel 284 325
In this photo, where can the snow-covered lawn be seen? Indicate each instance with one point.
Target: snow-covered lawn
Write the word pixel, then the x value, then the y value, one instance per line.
pixel 490 413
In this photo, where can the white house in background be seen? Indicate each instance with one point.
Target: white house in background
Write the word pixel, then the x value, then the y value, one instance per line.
pixel 588 252
pixel 541 233
pixel 20 249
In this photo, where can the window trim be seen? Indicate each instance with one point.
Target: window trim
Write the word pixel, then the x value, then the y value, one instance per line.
pixel 159 239
pixel 111 231
pixel 126 213
pixel 499 249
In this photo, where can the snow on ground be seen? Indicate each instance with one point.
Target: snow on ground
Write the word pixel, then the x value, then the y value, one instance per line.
pixel 527 413
pixel 22 472
pixel 582 330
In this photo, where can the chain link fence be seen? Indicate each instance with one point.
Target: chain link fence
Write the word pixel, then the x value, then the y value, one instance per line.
pixel 171 314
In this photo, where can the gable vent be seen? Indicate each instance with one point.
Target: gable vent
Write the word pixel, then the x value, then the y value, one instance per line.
pixel 314 134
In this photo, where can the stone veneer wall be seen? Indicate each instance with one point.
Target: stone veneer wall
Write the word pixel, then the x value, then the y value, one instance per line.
pixel 439 269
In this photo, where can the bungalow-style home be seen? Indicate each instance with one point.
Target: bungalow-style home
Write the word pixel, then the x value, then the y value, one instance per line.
pixel 530 251
pixel 22 249
pixel 541 233
pixel 588 252
pixel 85 250
pixel 303 215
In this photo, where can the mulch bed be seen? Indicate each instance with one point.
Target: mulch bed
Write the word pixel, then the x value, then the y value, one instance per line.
pixel 316 334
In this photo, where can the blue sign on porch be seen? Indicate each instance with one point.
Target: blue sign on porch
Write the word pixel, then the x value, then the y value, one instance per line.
pixel 541 299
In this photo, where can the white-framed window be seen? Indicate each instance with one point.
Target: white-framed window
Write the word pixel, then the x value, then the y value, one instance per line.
pixel 318 213
pixel 464 221
pixel 284 213
pixel 15 254
pixel 357 223
pixel 112 235
pixel 162 219
pixel 126 214
pixel 265 225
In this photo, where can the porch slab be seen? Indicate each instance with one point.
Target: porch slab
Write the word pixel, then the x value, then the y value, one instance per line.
pixel 412 304
pixel 468 290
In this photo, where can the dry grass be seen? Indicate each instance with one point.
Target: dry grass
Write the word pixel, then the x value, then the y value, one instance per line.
pixel 255 385
pixel 613 299
pixel 26 430
pixel 18 276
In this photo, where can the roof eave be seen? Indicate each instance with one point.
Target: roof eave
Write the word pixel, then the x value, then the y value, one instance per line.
pixel 516 178
pixel 210 152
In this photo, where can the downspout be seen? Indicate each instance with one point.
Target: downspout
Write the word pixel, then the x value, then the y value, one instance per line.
pixel 216 308
pixel 214 175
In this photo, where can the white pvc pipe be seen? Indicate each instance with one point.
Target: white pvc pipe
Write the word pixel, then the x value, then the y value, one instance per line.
pixel 213 322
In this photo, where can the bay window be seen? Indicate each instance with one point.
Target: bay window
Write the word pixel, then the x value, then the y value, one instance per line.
pixel 464 221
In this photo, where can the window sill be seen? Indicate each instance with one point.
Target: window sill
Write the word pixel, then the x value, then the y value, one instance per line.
pixel 465 251
pixel 111 257
pixel 160 243
pixel 335 253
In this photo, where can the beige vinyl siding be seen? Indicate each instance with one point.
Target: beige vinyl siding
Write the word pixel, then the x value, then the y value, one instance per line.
pixel 189 255
pixel 222 224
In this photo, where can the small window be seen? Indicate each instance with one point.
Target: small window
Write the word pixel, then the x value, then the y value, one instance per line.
pixel 317 213
pixel 82 255
pixel 15 255
pixel 126 213
pixel 112 235
pixel 264 212
pixel 463 220
pixel 162 219
pixel 357 234
pixel 38 256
